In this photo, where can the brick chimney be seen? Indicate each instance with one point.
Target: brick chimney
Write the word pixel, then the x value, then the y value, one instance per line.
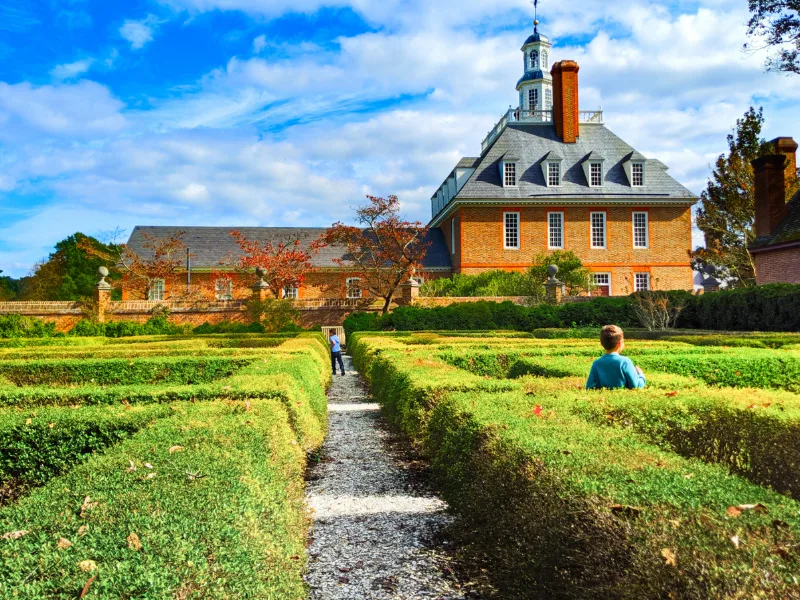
pixel 565 100
pixel 770 191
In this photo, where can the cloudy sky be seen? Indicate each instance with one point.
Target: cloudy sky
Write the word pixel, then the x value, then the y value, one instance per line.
pixel 287 112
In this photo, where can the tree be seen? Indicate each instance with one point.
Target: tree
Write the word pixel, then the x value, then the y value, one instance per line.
pixel 777 24
pixel 9 288
pixel 727 213
pixel 383 249
pixel 70 272
pixel 162 261
pixel 570 271
pixel 286 264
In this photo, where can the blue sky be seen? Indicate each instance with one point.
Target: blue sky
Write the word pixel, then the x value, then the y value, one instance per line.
pixel 287 112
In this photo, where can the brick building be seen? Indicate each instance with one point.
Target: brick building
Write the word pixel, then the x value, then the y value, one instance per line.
pixel 212 249
pixel 553 177
pixel 776 249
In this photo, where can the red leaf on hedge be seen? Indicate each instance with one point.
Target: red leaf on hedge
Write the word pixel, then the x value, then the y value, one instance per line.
pixel 537 411
pixel 671 394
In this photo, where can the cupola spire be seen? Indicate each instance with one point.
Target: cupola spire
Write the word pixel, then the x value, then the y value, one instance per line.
pixel 536 87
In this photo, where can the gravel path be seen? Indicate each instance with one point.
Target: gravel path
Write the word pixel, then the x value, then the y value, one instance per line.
pixel 372 524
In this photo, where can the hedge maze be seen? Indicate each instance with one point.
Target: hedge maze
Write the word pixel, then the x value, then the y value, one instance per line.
pixel 689 489
pixel 157 467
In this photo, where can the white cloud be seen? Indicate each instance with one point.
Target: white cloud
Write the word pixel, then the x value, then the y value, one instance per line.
pixel 73 69
pixel 139 33
pixel 259 44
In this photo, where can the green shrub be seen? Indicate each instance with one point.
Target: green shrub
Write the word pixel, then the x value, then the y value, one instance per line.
pixel 228 327
pixel 773 307
pixel 158 325
pixel 361 321
pixel 19 326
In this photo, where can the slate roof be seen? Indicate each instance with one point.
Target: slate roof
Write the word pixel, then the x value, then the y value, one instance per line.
pixel 531 143
pixel 468 162
pixel 212 245
pixel 531 76
pixel 788 230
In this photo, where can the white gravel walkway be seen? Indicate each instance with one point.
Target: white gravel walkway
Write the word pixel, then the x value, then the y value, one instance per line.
pixel 372 525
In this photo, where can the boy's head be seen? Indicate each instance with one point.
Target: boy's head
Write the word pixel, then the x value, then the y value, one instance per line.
pixel 612 338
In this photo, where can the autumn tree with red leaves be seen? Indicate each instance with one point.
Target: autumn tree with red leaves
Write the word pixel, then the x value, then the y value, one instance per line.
pixel 286 264
pixel 163 258
pixel 383 249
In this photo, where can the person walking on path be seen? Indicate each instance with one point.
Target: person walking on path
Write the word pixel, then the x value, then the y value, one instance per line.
pixel 336 352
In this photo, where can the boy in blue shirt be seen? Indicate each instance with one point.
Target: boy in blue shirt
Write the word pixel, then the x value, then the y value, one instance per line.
pixel 612 370
pixel 336 353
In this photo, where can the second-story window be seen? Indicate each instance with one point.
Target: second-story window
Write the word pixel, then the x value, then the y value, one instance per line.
pixel 553 174
pixel 290 292
pixel 640 233
pixel 596 170
pixel 637 174
pixel 354 288
pixel 598 221
pixel 510 174
pixel 157 290
pixel 555 230
pixel 533 99
pixel 511 233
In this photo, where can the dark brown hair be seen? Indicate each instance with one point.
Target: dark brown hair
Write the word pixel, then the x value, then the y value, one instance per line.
pixel 611 336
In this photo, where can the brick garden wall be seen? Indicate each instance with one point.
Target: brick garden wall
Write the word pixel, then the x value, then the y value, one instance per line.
pixel 778 266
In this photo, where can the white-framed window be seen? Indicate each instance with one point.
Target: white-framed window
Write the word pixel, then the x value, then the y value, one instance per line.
pixel 533 99
pixel 509 174
pixel 602 284
pixel 544 59
pixel 511 230
pixel 157 290
pixel 596 174
pixel 637 174
pixel 223 289
pixel 598 222
pixel 548 98
pixel 291 292
pixel 641 236
pixel 354 291
pixel 555 230
pixel 534 56
pixel 641 282
pixel 453 236
pixel 553 174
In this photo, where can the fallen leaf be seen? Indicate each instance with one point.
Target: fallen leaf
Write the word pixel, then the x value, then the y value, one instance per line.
pixel 87 566
pixel 51 425
pixel 736 511
pixel 669 557
pixel 671 394
pixel 622 509
pixel 344 579
pixel 148 465
pixel 688 476
pixel 133 542
pixel 15 535
pixel 247 406
pixel 63 543
pixel 86 587
pixel 149 476
pixel 175 449
pixel 132 468
pixel 537 411
pixel 87 506
pixel 360 564
pixel 28 421
pixel 735 541
pixel 345 569
pixel 82 530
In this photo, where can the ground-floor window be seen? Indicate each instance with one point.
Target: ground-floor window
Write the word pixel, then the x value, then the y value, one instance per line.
pixel 354 291
pixel 291 292
pixel 223 289
pixel 157 290
pixel 602 284
pixel 641 282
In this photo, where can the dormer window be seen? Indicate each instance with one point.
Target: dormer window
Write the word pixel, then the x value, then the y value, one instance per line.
pixel 637 174
pixel 635 169
pixel 551 169
pixel 593 169
pixel 510 174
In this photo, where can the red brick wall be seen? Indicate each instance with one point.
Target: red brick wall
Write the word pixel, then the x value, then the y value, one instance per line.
pixel 778 266
pixel 667 258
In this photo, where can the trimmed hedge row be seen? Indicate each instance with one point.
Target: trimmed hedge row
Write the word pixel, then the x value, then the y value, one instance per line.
pixel 167 370
pixel 588 511
pixel 209 501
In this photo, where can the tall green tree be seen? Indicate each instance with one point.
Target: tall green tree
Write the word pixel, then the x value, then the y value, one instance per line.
pixel 9 288
pixel 727 212
pixel 70 272
pixel 776 24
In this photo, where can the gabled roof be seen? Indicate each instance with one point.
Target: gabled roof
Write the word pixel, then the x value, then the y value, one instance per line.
pixel 210 246
pixel 788 230
pixel 531 143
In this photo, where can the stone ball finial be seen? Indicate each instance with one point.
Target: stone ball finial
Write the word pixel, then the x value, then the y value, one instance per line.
pixel 102 284
pixel 102 272
pixel 552 271
pixel 261 272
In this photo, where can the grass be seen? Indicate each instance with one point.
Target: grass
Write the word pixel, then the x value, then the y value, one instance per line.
pixel 603 494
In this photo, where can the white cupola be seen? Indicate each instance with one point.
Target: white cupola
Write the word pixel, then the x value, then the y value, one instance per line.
pixel 536 86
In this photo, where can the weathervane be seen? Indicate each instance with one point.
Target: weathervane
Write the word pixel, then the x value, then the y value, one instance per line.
pixel 535 13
